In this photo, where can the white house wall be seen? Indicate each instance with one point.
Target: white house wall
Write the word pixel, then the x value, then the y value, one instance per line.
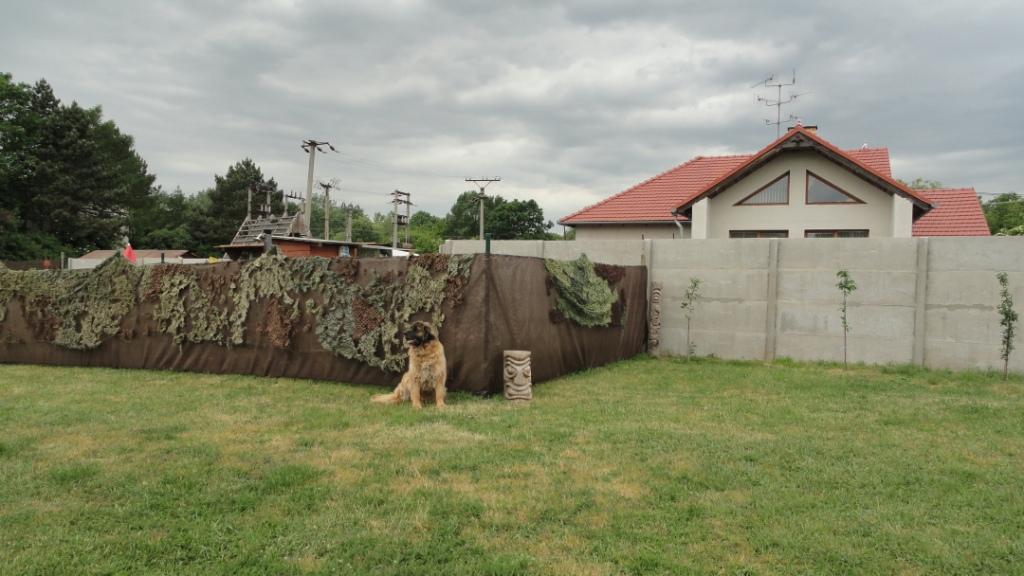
pixel 631 232
pixel 875 215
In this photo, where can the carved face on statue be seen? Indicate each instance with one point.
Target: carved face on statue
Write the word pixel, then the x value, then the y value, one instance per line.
pixel 517 375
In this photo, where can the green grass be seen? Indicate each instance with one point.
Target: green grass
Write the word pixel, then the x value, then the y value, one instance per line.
pixel 646 467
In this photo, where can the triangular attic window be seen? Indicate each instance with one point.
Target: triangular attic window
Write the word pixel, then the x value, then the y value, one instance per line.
pixel 821 191
pixel 775 192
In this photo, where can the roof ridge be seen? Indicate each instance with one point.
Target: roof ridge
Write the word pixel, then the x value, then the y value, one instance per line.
pixel 820 141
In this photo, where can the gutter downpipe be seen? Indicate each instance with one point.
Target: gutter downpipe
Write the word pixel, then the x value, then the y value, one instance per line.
pixel 678 224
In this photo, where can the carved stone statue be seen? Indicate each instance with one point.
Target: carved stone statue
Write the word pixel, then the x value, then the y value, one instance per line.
pixel 517 375
pixel 654 320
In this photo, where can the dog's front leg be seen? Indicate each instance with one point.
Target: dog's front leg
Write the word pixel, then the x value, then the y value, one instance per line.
pixel 414 395
pixel 439 393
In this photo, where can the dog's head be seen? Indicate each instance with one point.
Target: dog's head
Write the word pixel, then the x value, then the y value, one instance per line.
pixel 420 333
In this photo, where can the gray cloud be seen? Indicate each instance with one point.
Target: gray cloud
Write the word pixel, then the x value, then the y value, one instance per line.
pixel 567 101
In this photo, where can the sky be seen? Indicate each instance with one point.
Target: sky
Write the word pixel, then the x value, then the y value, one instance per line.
pixel 567 102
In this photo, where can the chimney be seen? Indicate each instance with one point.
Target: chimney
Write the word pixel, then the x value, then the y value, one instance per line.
pixel 812 128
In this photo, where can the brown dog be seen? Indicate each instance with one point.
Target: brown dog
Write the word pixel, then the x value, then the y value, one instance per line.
pixel 427 371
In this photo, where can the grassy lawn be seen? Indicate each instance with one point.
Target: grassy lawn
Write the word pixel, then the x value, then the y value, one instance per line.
pixel 646 467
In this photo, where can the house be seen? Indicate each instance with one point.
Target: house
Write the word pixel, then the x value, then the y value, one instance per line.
pixel 799 186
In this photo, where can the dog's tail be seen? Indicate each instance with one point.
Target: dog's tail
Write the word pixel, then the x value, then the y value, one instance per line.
pixel 392 398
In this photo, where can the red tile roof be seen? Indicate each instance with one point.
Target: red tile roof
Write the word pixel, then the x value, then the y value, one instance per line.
pixel 957 212
pixel 654 200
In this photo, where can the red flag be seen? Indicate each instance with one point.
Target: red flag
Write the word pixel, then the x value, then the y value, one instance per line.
pixel 129 254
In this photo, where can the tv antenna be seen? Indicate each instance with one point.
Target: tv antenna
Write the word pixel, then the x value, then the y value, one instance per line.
pixel 772 82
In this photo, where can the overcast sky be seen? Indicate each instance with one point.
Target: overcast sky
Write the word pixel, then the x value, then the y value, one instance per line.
pixel 568 102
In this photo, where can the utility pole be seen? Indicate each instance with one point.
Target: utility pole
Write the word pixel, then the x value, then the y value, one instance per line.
pixel 326 187
pixel 399 197
pixel 778 102
pixel 482 183
pixel 311 147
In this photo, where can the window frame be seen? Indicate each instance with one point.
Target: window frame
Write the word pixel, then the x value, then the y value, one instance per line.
pixel 759 234
pixel 789 185
pixel 807 192
pixel 835 232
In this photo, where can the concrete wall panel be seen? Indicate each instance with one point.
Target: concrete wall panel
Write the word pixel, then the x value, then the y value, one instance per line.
pixel 950 315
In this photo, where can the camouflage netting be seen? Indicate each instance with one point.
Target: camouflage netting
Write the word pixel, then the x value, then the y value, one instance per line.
pixel 581 295
pixel 73 309
pixel 365 322
pixel 80 309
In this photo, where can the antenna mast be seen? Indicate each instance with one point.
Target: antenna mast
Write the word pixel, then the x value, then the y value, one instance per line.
pixel 778 102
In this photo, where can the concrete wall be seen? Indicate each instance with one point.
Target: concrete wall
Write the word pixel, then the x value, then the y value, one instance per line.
pixel 620 252
pixel 927 301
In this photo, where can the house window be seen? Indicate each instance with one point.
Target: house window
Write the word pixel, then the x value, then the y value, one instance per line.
pixel 774 193
pixel 821 191
pixel 758 233
pixel 835 233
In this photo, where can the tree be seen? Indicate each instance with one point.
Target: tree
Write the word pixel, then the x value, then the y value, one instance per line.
pixel 426 231
pixel 1008 320
pixel 463 220
pixel 1005 214
pixel 689 306
pixel 220 210
pixel 922 184
pixel 517 220
pixel 504 220
pixel 846 286
pixel 70 178
pixel 165 222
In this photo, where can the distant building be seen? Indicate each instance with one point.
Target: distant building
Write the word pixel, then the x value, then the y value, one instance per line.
pixel 147 255
pixel 285 232
pixel 799 186
pixel 293 247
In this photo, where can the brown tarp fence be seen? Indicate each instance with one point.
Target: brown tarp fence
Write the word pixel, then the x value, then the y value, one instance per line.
pixel 506 305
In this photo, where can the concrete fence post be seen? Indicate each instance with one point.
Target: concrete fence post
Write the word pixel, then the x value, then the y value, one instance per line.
pixel 921 301
pixel 771 300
